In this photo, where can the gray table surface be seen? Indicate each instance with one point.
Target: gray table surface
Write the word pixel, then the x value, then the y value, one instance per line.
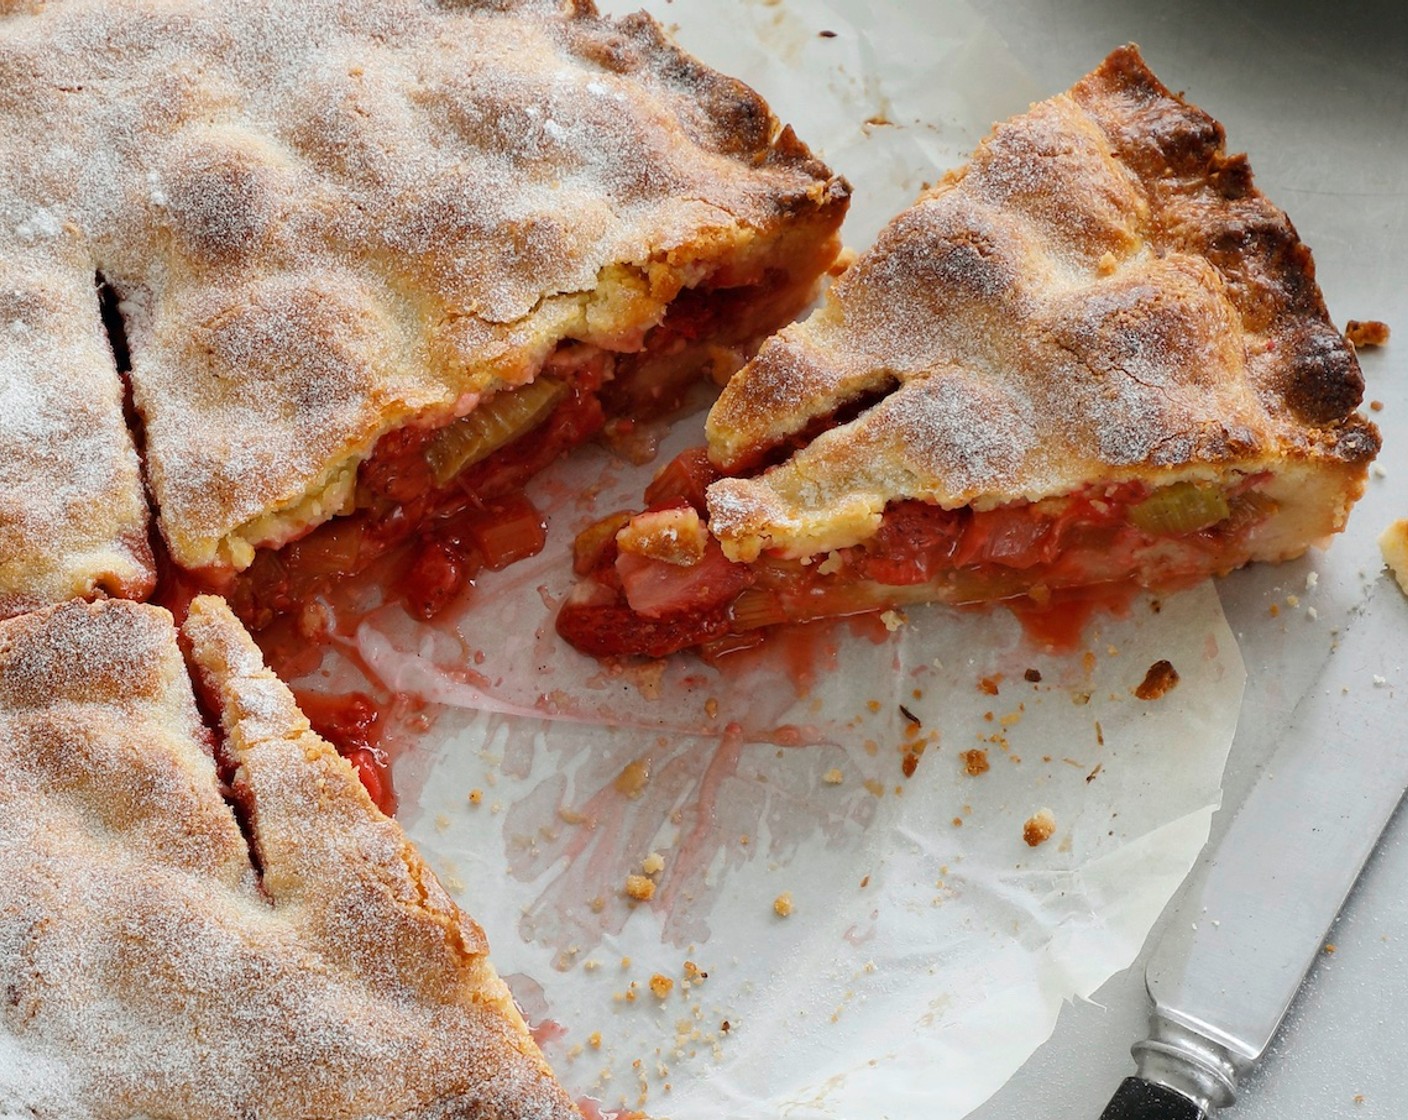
pixel 1317 94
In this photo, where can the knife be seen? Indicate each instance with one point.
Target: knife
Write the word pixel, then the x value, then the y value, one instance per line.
pixel 1256 911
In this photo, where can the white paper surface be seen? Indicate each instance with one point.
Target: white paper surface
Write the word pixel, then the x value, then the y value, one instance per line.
pixel 929 948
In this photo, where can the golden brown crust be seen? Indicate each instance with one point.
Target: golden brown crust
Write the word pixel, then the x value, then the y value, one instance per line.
pixel 328 220
pixel 153 969
pixel 73 517
pixel 1100 295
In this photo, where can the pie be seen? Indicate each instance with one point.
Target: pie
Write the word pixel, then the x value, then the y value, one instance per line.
pixel 349 255
pixel 196 923
pixel 1094 356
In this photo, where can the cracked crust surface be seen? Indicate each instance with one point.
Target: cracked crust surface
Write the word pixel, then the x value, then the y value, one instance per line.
pixel 154 968
pixel 330 219
pixel 1101 294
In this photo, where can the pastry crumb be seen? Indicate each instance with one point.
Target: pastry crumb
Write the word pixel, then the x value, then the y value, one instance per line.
pixel 476 797
pixel 893 620
pixel 1366 332
pixel 653 864
pixel 782 904
pixel 661 985
pixel 975 762
pixel 1160 680
pixel 1039 828
pixel 640 888
pixel 594 1040
pixel 833 777
pixel 1393 545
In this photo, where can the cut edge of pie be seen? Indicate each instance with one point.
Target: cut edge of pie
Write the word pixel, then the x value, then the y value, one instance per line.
pixel 384 245
pixel 1096 354
pixel 169 951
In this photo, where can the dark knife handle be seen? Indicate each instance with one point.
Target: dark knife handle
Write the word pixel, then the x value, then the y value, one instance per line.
pixel 1137 1099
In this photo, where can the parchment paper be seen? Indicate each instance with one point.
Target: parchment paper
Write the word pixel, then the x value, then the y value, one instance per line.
pixel 928 948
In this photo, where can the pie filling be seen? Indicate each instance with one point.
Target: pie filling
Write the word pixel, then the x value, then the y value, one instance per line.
pixel 637 598
pixel 432 507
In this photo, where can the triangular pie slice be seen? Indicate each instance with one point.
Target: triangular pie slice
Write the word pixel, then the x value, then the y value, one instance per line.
pixel 1096 354
pixel 73 516
pixel 158 961
pixel 361 249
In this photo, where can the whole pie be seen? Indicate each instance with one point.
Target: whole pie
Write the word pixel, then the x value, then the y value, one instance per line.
pixel 348 256
pixel 207 923
pixel 1095 355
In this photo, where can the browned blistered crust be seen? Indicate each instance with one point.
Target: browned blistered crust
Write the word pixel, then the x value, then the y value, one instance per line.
pixel 330 219
pixel 1101 294
pixel 158 962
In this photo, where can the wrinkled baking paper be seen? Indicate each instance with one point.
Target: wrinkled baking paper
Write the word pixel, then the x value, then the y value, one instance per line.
pixel 928 948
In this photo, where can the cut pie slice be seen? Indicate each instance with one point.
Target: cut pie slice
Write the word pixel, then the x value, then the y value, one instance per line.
pixel 73 517
pixel 1094 355
pixel 157 963
pixel 363 249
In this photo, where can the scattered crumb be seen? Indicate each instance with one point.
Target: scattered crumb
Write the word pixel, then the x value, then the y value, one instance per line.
pixel 833 777
pixel 1358 1098
pixel 1160 680
pixel 640 888
pixel 782 907
pixel 1033 676
pixel 594 1040
pixel 1292 601
pixel 476 797
pixel 1393 544
pixel 711 707
pixel 661 985
pixel 1039 828
pixel 653 864
pixel 598 904
pixel 1094 773
pixel 957 822
pixel 1329 947
pixel 1311 579
pixel 827 34
pixel 831 565
pixel 989 685
pixel 1376 406
pixel 975 762
pixel 1366 332
pixel 694 974
pixel 914 719
pixel 634 778
pixel 893 620
pixel 1378 470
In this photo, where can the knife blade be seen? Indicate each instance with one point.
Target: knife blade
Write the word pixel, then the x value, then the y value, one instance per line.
pixel 1256 911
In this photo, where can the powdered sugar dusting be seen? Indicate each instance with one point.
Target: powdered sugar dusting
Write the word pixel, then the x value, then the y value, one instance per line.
pixel 306 202
pixel 1053 313
pixel 72 513
pixel 150 972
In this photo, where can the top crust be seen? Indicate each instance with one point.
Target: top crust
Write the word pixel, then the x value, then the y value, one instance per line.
pixel 1101 294
pixel 329 219
pixel 153 969
pixel 73 517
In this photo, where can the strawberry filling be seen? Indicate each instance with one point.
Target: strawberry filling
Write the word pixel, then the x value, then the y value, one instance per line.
pixel 1163 538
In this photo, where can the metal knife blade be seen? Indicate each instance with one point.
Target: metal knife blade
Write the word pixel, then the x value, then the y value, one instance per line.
pixel 1255 914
